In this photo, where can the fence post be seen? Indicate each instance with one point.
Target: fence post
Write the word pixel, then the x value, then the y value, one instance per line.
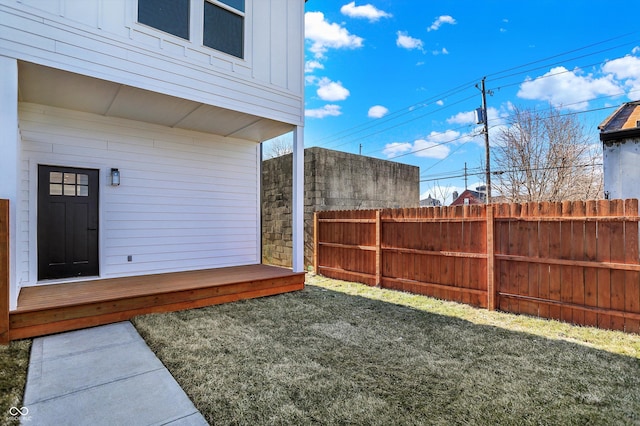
pixel 4 271
pixel 491 291
pixel 316 243
pixel 378 250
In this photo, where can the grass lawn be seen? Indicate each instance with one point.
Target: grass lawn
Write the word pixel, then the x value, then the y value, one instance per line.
pixel 343 353
pixel 14 361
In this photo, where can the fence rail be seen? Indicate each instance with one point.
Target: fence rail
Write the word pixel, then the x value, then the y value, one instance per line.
pixel 572 261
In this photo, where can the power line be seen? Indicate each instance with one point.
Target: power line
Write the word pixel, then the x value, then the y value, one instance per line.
pixel 500 172
pixel 412 108
pixel 472 136
pixel 565 53
pixel 394 115
pixel 405 122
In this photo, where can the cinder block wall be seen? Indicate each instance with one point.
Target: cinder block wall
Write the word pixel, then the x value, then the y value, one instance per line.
pixel 333 181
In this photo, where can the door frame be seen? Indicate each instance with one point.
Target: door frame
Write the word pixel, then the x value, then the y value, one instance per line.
pixel 88 233
pixel 32 199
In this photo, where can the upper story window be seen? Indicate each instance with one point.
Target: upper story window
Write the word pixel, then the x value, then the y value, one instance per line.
pixel 224 26
pixel 170 16
pixel 219 24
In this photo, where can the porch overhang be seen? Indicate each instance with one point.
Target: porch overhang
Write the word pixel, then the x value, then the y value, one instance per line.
pixel 54 87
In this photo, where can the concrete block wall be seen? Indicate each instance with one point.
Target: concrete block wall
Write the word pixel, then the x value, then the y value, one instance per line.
pixel 334 180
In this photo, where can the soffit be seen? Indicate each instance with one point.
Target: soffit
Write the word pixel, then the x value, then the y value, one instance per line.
pixel 49 86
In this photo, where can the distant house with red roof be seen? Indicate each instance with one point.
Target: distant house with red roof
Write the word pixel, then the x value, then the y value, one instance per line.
pixel 468 197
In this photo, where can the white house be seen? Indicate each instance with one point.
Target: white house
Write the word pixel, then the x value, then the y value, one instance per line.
pixel 130 133
pixel 620 136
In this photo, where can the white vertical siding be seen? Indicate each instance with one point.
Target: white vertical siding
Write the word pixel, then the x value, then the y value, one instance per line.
pixel 188 200
pixel 621 173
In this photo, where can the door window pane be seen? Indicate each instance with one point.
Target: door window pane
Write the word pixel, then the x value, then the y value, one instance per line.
pixel 83 179
pixel 55 189
pixel 83 191
pixel 55 177
pixel 223 30
pixel 170 16
pixel 70 178
pixel 70 190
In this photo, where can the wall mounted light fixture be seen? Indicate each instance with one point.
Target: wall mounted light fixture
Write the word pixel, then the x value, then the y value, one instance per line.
pixel 115 177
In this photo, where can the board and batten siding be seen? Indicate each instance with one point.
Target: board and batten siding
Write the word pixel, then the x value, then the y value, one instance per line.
pixel 101 39
pixel 187 200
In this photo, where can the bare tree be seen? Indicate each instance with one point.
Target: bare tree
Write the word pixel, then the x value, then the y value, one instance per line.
pixel 278 147
pixel 441 193
pixel 545 157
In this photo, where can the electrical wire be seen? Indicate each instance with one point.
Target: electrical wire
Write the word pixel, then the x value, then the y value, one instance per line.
pixel 500 172
pixel 412 108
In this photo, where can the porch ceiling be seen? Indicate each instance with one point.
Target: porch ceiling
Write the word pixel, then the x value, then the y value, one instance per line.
pixel 49 86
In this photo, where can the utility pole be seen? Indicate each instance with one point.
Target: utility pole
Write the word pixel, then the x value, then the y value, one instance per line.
pixel 486 139
pixel 465 176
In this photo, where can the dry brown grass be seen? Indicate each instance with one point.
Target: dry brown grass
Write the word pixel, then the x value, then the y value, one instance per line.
pixel 341 353
pixel 14 361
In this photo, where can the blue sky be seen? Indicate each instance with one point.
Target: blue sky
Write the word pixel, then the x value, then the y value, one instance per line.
pixel 398 76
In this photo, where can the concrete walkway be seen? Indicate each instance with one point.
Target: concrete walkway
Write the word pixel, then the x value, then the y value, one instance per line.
pixel 102 376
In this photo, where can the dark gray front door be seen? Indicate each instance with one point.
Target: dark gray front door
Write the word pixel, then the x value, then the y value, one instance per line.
pixel 67 222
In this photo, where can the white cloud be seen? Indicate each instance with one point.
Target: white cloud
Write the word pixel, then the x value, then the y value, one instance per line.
pixel 366 11
pixel 568 89
pixel 443 51
pixel 440 102
pixel 430 148
pixel 405 41
pixel 627 70
pixel 396 148
pixel 467 117
pixel 331 90
pixel 325 111
pixel 444 19
pixel 377 111
pixel 311 66
pixel 435 145
pixel 325 35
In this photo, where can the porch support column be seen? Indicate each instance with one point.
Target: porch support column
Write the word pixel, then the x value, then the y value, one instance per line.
pixel 9 164
pixel 298 199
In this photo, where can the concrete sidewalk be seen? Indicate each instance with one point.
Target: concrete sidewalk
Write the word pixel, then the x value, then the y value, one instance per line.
pixel 102 376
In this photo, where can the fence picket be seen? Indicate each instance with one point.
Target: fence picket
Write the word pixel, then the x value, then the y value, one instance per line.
pixel 631 278
pixel 617 255
pixel 603 254
pixel 544 231
pixel 578 209
pixel 590 274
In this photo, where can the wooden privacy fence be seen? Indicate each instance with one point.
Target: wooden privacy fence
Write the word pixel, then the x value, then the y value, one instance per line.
pixel 4 271
pixel 571 261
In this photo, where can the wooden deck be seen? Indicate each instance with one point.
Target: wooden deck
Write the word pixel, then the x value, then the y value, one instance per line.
pixel 62 307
